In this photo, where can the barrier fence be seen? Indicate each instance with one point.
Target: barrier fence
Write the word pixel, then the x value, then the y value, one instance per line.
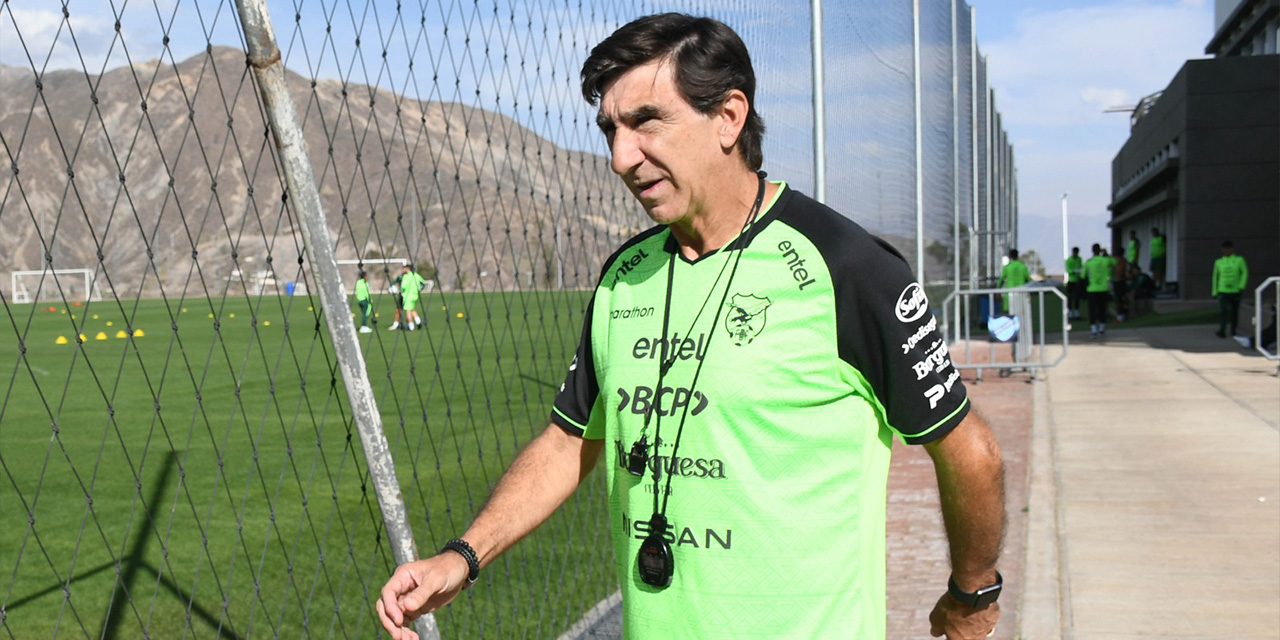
pixel 1266 334
pixel 186 446
pixel 1025 328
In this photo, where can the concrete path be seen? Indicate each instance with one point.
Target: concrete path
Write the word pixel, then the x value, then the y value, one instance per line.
pixel 1155 492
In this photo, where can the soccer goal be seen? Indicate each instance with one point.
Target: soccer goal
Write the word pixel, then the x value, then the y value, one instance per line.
pixel 379 271
pixel 73 285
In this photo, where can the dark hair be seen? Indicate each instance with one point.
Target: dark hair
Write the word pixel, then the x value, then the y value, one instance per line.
pixel 1013 254
pixel 1097 249
pixel 710 61
pixel 1226 244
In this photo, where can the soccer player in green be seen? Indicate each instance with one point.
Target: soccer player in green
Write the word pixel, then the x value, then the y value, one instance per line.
pixel 743 369
pixel 1013 275
pixel 362 299
pixel 411 284
pixel 1157 258
pixel 1075 282
pixel 1098 288
pixel 1230 276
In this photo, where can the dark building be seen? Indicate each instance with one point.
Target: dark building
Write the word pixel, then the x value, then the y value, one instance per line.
pixel 1202 162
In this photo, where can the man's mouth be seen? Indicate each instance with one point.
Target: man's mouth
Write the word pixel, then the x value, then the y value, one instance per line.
pixel 645 188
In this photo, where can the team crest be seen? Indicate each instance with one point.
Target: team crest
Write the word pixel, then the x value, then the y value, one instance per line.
pixel 746 318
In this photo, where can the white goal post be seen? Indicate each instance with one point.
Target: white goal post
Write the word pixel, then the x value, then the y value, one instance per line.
pixel 49 284
pixel 387 270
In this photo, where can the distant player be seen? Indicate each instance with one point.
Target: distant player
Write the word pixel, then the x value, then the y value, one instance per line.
pixel 411 284
pixel 395 290
pixel 362 299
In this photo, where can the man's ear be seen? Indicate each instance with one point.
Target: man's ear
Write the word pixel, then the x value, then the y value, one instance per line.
pixel 733 117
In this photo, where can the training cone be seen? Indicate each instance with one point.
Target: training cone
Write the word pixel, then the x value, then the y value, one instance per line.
pixel 233 315
pixel 109 323
pixel 60 340
pixel 121 334
pixel 95 316
pixel 101 336
pixel 459 315
pixel 82 338
pixel 137 333
pixel 266 323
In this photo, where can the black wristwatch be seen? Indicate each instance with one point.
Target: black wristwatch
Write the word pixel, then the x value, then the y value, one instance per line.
pixel 978 599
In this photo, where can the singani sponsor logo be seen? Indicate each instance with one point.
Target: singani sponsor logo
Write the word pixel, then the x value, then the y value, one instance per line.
pixel 912 304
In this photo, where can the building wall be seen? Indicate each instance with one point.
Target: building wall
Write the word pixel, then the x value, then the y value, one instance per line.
pixel 1208 158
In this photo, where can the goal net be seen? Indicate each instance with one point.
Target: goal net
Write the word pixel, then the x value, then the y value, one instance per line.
pixel 72 285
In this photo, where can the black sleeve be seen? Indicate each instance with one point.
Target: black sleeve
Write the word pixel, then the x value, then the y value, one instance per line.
pixel 572 408
pixel 886 329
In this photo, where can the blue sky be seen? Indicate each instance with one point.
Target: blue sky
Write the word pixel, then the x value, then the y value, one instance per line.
pixel 1055 64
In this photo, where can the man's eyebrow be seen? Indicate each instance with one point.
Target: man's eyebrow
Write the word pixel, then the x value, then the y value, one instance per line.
pixel 643 112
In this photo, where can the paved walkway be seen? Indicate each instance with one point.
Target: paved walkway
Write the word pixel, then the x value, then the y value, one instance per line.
pixel 1155 492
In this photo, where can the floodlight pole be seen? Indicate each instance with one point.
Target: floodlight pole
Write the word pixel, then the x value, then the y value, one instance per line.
pixel 819 108
pixel 268 71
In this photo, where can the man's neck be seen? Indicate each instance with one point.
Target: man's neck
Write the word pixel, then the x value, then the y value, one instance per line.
pixel 721 217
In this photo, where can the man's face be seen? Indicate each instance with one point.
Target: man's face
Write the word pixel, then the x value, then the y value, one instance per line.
pixel 663 149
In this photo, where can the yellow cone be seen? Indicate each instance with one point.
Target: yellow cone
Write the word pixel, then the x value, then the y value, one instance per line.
pixel 100 336
pixel 184 309
pixel 121 334
pixel 60 340
pixel 211 315
pixel 459 315
pixel 137 333
pixel 95 316
pixel 109 323
pixel 233 315
pixel 266 323
pixel 82 338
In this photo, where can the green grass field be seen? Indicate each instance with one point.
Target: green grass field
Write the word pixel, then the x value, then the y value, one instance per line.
pixel 204 479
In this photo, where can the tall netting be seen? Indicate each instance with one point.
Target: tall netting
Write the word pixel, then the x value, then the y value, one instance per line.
pixel 966 161
pixel 178 454
pixel 871 129
pixel 938 138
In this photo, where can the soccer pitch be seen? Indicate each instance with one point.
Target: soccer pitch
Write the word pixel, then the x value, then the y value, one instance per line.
pixel 202 478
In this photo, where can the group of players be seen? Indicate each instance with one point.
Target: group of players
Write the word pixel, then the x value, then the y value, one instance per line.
pixel 405 289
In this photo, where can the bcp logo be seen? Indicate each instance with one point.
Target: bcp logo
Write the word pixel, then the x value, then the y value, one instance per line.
pixel 912 304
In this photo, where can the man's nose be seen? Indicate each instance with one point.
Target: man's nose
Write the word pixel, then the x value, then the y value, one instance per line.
pixel 625 152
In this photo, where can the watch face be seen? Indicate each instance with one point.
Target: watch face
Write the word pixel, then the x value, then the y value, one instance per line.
pixel 655 562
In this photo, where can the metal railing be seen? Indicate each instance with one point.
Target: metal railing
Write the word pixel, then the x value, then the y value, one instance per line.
pixel 1017 317
pixel 1272 284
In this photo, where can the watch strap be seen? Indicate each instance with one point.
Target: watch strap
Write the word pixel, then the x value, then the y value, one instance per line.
pixel 977 599
pixel 460 547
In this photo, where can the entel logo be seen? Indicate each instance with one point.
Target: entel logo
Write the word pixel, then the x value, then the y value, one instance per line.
pixel 912 304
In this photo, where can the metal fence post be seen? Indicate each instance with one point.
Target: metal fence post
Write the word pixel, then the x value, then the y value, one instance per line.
pixel 268 71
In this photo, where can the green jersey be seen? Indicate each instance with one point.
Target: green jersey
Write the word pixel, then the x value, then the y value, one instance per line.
pixel 1157 247
pixel 1075 269
pixel 362 289
pixel 1230 274
pixel 1098 271
pixel 1131 252
pixel 410 284
pixel 1014 274
pixel 797 351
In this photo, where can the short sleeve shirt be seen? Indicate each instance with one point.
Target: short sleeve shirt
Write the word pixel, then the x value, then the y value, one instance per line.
pixel 798 350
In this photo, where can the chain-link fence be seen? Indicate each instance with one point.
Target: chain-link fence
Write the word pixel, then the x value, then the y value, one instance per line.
pixel 178 447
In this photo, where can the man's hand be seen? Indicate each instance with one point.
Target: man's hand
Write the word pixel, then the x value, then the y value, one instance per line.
pixel 959 622
pixel 418 588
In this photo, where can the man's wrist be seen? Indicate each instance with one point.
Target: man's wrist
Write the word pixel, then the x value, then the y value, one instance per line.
pixel 461 548
pixel 979 596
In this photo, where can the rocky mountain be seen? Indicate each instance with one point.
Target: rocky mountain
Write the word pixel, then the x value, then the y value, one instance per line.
pixel 165 178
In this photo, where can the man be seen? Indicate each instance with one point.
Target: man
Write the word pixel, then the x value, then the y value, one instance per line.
pixel 362 299
pixel 1157 258
pixel 1131 251
pixel 396 290
pixel 411 284
pixel 1230 275
pixel 1098 272
pixel 755 404
pixel 1013 275
pixel 1075 283
pixel 1119 285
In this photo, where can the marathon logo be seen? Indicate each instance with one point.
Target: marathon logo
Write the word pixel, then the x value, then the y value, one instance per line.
pixel 912 304
pixel 650 348
pixel 935 393
pixel 633 312
pixel 919 335
pixel 628 264
pixel 642 400
pixel 697 538
pixel 712 468
pixel 936 360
